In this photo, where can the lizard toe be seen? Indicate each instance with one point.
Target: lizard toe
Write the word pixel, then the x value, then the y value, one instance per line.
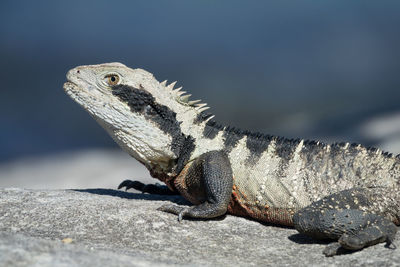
pixel 128 184
pixel 351 242
pixel 174 209
pixel 182 214
pixel 332 249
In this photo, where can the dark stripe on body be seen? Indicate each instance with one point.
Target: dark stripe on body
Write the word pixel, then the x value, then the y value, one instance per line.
pixel 182 146
pixel 257 144
pixel 142 102
pixel 231 138
pixel 201 117
pixel 210 130
pixel 286 148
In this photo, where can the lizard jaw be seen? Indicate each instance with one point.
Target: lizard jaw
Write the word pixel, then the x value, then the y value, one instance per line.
pixel 73 91
pixel 69 87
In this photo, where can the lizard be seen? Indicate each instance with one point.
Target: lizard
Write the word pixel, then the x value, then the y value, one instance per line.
pixel 347 193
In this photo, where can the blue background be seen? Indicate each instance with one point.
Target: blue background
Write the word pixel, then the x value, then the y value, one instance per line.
pixel 311 69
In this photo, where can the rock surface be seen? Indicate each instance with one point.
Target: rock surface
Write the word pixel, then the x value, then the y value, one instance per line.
pixel 95 227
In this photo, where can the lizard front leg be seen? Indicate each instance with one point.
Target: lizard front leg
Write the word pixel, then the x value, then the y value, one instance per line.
pixel 206 182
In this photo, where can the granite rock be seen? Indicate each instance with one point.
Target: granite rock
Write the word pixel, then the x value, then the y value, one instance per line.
pixel 93 227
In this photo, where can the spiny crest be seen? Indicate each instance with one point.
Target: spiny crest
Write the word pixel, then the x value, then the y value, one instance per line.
pixel 184 98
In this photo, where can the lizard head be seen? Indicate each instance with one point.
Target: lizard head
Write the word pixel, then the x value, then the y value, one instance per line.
pixel 148 119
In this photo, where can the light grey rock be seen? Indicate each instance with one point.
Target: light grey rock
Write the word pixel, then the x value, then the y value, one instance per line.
pixel 115 228
pixel 23 250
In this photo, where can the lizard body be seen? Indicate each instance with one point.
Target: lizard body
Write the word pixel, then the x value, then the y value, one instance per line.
pixel 222 169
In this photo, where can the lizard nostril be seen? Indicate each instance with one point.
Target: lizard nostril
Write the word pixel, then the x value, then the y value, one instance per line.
pixel 78 71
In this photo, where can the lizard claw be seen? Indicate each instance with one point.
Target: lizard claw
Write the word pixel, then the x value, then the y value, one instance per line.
pixel 124 184
pixel 390 244
pixel 174 209
pixel 128 184
pixel 332 249
pixel 182 214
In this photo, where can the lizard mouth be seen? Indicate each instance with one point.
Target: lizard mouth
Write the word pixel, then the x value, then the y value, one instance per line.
pixel 71 89
pixel 75 92
pixel 68 86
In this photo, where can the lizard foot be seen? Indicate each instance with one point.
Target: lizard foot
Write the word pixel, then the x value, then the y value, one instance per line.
pixel 203 211
pixel 175 209
pixel 333 249
pixel 366 237
pixel 378 231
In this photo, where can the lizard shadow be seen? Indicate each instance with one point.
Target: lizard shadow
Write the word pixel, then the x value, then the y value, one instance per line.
pixel 304 239
pixel 177 199
pixel 298 237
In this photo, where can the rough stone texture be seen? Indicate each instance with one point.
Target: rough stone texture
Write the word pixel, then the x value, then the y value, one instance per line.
pixel 115 228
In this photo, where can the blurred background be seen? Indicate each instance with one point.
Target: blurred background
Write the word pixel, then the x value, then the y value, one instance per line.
pixel 310 69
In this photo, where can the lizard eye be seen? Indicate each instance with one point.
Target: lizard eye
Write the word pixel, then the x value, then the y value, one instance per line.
pixel 112 79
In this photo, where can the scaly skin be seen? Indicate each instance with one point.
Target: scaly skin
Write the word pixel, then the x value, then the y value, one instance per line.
pixel 344 192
